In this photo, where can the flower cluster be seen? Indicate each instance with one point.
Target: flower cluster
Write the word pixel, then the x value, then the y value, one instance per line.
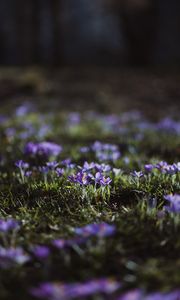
pixel 40 252
pixel 169 125
pixel 68 243
pixel 12 256
pixel 9 225
pixel 95 229
pixel 100 230
pixel 174 201
pixel 106 152
pixel 56 291
pixel 42 149
pixel 87 178
pixel 163 167
pixel 140 295
pixel 84 179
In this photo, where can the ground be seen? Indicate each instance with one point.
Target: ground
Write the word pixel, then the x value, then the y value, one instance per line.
pixel 125 125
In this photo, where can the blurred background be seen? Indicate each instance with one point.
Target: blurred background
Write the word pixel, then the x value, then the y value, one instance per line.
pixel 101 50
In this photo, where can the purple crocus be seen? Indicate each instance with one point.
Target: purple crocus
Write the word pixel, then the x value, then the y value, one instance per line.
pixel 103 168
pixel 52 165
pixel 84 149
pixel 148 168
pixel 102 180
pixel 55 291
pixel 66 243
pixel 44 169
pixel 161 166
pixel 81 178
pixel 174 201
pixel 43 149
pixel 12 256
pixel 59 172
pixel 177 167
pixel 28 173
pixel 46 291
pixel 105 286
pixel 41 252
pixel 106 152
pixel 88 166
pixel 136 294
pixel 9 225
pixel 175 295
pixel 94 229
pixel 22 165
pixel 137 174
pixel 169 125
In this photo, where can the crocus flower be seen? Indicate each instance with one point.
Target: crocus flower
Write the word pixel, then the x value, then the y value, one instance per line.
pixel 103 168
pixel 148 168
pixel 177 167
pixel 139 295
pixel 81 178
pixel 74 118
pixel 174 201
pixel 170 125
pixel 52 165
pixel 59 172
pixel 28 173
pixel 136 294
pixel 137 174
pixel 102 180
pixel 44 149
pixel 56 291
pixel 66 243
pixel 21 164
pixel 40 252
pixel 44 169
pixel 94 229
pixel 106 151
pixel 23 109
pixel 9 225
pixel 84 149
pixel 12 256
pixel 88 166
pixel 175 295
pixel 161 166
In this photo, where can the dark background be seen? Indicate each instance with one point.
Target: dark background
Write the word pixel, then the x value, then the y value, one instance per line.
pixel 103 32
pixel 106 55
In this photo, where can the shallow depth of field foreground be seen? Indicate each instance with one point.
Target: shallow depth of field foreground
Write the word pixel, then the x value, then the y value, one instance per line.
pixel 89 204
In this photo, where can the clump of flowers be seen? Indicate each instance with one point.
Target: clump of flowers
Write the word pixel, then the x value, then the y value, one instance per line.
pixel 68 243
pixel 100 230
pixel 44 149
pixel 8 230
pixel 92 174
pixel 106 152
pixel 12 257
pixel 174 203
pixel 163 167
pixel 138 294
pixel 9 225
pixel 23 166
pixel 55 291
pixel 40 252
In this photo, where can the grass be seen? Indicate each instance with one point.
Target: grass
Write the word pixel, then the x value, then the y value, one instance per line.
pixel 144 251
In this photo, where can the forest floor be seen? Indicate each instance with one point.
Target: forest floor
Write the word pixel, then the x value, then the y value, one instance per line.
pixel 89 184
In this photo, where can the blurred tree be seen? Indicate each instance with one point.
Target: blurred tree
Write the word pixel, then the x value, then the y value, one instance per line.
pixel 168 32
pixel 138 22
pixel 89 31
pixel 26 20
pixel 8 32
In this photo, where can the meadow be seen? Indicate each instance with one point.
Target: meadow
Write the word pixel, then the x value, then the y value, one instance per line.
pixel 89 205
